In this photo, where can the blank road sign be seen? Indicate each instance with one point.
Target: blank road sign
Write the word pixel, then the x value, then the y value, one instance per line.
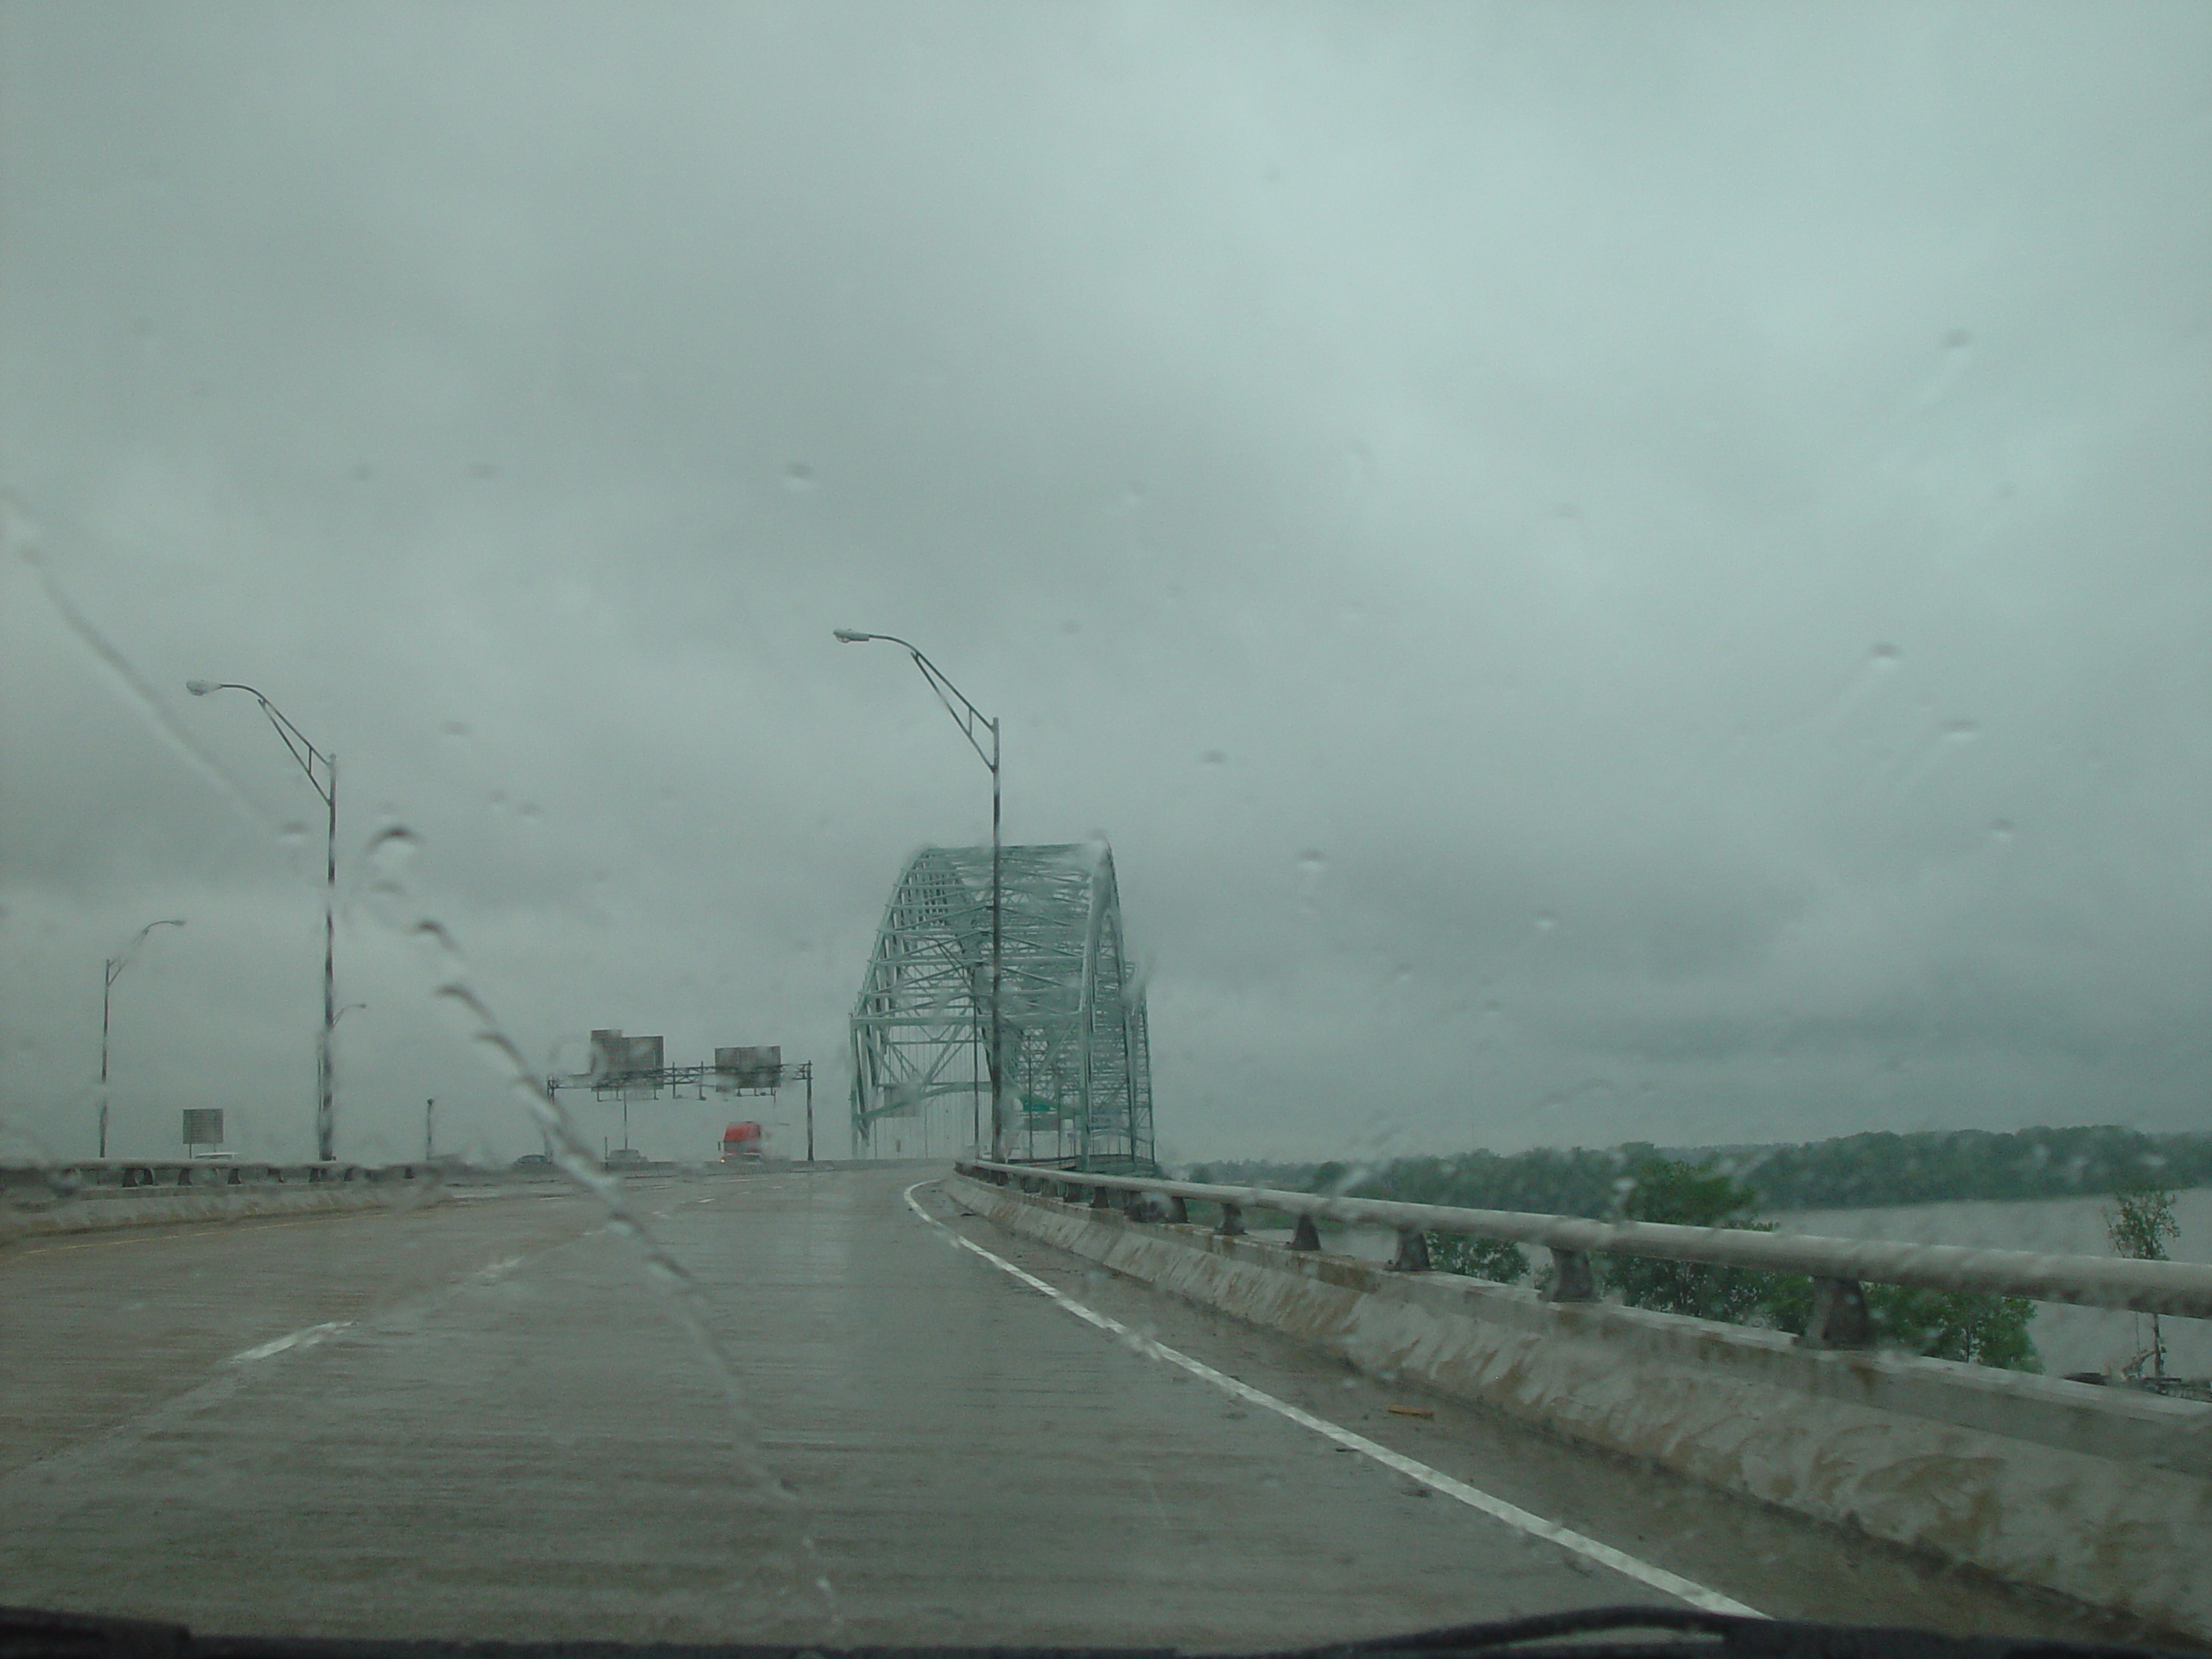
pixel 750 1068
pixel 203 1126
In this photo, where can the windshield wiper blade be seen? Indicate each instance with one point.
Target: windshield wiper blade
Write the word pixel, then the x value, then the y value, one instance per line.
pixel 1674 1632
pixel 1735 1636
pixel 1540 1627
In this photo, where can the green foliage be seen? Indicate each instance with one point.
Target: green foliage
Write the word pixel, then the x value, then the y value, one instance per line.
pixel 1941 1325
pixel 1549 1180
pixel 1957 1324
pixel 2141 1222
pixel 1954 1324
pixel 1690 1195
pixel 1853 1170
pixel 1494 1259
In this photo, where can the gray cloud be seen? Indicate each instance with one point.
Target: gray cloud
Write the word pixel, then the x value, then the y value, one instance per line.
pixel 1608 574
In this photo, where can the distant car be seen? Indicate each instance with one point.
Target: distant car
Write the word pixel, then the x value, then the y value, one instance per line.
pixel 626 1158
pixel 532 1160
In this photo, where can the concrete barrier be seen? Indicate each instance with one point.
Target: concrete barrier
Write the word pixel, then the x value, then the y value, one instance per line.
pixel 90 1197
pixel 2101 1495
pixel 95 1209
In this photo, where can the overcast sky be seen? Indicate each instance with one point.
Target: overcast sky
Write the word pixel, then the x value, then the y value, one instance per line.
pixel 1609 572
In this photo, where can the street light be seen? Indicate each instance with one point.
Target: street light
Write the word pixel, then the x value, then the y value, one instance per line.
pixel 326 785
pixel 115 964
pixel 970 720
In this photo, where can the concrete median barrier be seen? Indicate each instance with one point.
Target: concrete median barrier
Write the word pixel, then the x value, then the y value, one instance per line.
pixel 30 1212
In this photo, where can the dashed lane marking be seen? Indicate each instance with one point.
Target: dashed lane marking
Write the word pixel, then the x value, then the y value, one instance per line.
pixel 302 1338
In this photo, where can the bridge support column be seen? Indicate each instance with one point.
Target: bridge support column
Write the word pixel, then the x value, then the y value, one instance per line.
pixel 1572 1280
pixel 1839 1317
pixel 1305 1236
pixel 1412 1251
pixel 1232 1221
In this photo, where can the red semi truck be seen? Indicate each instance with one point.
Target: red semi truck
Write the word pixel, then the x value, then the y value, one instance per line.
pixel 743 1143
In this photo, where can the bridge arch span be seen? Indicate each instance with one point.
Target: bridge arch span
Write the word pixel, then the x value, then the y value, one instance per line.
pixel 1078 1062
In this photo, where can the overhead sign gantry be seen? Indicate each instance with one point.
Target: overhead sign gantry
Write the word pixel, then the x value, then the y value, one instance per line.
pixel 635 1068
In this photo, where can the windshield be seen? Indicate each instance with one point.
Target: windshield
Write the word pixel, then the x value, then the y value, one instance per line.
pixel 663 664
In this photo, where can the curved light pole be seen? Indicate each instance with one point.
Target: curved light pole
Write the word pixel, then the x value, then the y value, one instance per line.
pixel 115 964
pixel 970 720
pixel 324 784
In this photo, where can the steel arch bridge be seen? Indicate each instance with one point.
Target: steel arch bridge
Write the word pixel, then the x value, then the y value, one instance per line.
pixel 1078 1062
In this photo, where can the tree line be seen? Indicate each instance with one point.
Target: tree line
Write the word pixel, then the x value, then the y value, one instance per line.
pixel 1851 1171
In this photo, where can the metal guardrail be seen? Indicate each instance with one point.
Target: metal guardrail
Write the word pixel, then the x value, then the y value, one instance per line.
pixel 1839 1267
pixel 200 1174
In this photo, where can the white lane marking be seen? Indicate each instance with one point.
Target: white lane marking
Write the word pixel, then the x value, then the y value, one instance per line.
pixel 311 1334
pixel 1474 1497
pixel 306 1338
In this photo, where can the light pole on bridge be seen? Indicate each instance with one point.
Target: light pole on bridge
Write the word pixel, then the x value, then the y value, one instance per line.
pixel 325 783
pixel 115 966
pixel 971 721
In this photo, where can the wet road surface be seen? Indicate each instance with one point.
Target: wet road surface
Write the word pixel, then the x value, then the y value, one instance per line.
pixel 818 1419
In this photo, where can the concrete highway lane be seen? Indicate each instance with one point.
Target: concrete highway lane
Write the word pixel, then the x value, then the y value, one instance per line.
pixel 830 1422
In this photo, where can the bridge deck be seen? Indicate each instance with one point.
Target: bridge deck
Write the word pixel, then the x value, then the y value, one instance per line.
pixel 480 1419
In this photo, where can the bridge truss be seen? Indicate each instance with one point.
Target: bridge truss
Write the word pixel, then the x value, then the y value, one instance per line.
pixel 1078 1062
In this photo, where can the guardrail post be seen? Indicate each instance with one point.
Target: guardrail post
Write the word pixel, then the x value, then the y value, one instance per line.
pixel 1412 1251
pixel 1232 1221
pixel 1572 1280
pixel 1177 1209
pixel 1305 1235
pixel 1101 1197
pixel 1839 1317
